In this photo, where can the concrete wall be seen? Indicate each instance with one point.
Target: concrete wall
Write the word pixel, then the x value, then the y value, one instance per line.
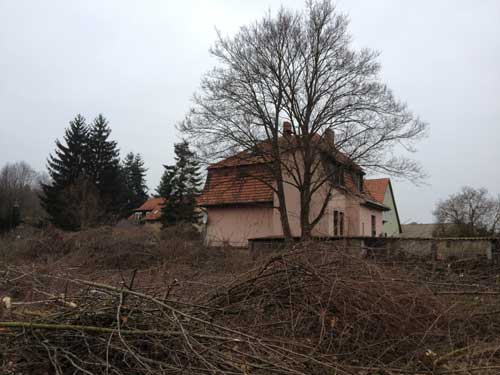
pixel 438 249
pixel 446 249
pixel 426 249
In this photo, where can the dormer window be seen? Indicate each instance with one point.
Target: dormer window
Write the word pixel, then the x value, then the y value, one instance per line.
pixel 358 180
pixel 338 175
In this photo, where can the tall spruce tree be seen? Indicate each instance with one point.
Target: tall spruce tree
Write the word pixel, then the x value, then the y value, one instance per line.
pixel 66 166
pixel 134 175
pixel 165 187
pixel 103 166
pixel 87 186
pixel 179 186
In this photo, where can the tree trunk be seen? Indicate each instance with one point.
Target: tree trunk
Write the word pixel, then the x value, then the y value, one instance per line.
pixel 285 224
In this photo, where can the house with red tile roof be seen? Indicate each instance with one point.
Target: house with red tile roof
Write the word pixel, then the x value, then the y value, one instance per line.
pixel 381 190
pixel 149 211
pixel 241 203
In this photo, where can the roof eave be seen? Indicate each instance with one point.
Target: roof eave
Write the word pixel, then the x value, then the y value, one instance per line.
pixel 267 203
pixel 376 205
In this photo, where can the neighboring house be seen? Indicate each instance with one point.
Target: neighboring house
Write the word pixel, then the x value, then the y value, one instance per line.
pixel 149 211
pixel 416 230
pixel 381 190
pixel 241 205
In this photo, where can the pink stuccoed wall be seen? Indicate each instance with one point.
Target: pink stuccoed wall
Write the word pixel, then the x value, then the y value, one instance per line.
pixel 235 225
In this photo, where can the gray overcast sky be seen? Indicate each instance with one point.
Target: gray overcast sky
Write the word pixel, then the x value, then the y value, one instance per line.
pixel 139 62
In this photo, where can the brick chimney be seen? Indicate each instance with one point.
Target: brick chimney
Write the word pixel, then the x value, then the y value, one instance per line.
pixel 287 128
pixel 329 138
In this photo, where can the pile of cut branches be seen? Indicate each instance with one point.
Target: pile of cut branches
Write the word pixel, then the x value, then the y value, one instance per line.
pixel 311 310
pixel 338 303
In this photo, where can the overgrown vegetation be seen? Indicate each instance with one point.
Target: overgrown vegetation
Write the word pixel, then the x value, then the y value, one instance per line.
pixel 141 302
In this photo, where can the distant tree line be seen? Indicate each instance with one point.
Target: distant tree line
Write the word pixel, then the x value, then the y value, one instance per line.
pixel 89 184
pixel 468 213
pixel 19 189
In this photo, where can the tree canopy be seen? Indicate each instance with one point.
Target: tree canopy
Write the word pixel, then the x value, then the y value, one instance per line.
pixel 180 185
pixel 468 213
pixel 87 186
pixel 134 174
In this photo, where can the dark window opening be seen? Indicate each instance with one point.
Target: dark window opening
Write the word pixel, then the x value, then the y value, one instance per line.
pixel 338 223
pixel 374 226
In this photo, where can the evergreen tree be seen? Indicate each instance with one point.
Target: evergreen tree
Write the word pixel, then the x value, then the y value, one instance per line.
pixel 165 187
pixel 87 185
pixel 69 161
pixel 134 175
pixel 103 166
pixel 66 166
pixel 180 185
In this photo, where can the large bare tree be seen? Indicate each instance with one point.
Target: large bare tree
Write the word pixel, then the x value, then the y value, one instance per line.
pixel 471 212
pixel 301 67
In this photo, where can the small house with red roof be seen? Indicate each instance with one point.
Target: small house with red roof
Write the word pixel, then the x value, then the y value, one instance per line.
pixel 149 211
pixel 241 204
pixel 381 190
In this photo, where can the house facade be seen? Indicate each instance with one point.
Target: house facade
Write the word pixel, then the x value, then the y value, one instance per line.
pixel 381 190
pixel 241 204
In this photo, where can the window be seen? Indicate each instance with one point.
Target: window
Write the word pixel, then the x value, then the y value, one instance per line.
pixel 338 175
pixel 338 223
pixel 374 226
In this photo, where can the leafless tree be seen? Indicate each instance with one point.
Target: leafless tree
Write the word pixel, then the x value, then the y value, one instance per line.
pixel 19 187
pixel 301 67
pixel 471 212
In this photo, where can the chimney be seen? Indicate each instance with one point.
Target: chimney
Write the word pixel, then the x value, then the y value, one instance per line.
pixel 287 128
pixel 329 137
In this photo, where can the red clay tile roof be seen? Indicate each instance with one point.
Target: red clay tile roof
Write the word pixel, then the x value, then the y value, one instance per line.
pixel 238 185
pixel 248 158
pixel 151 204
pixel 243 177
pixel 376 188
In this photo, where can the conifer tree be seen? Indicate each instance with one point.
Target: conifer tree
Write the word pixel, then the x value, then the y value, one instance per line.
pixel 180 186
pixel 165 187
pixel 134 175
pixel 103 166
pixel 66 166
